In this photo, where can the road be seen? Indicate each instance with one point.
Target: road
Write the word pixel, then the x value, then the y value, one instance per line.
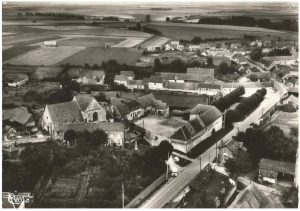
pixel 171 189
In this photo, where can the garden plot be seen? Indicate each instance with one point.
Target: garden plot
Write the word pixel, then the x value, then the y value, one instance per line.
pixel 129 43
pixel 45 55
pixel 155 42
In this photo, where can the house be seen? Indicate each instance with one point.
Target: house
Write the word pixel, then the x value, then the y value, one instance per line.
pixel 271 171
pixel 81 109
pixel 252 70
pixel 129 74
pixel 156 82
pixel 18 121
pixel 88 88
pixel 121 80
pixel 87 76
pixel 15 80
pixel 115 130
pixel 201 71
pixel 135 84
pixel 194 47
pixel 90 109
pixel 228 149
pixel 209 121
pixel 283 60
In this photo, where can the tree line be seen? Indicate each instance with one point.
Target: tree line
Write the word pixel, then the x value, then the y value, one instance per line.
pixel 245 106
pixel 286 24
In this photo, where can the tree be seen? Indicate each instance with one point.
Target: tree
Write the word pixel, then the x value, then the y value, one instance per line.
pixel 168 19
pixel 70 136
pixel 241 163
pixel 157 65
pixel 148 18
pixel 98 137
pixel 256 54
pixel 177 66
pixel 253 77
pixel 209 61
pixel 196 40
pixel 138 26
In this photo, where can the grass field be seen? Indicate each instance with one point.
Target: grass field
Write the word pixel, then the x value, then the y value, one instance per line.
pixel 205 31
pixel 45 55
pixel 89 41
pixel 16 51
pixel 93 56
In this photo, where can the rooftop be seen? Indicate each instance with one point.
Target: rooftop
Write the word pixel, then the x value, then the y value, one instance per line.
pixel 277 166
pixel 92 126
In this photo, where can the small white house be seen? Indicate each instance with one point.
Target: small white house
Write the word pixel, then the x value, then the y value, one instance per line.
pixel 50 43
pixel 156 82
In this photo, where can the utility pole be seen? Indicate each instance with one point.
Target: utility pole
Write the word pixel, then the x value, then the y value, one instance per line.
pixel 167 173
pixel 123 195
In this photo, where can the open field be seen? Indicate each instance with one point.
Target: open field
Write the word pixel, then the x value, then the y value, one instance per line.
pixel 19 69
pixel 28 38
pixel 129 43
pixel 45 55
pixel 16 51
pixel 206 31
pixel 93 56
pixel 155 42
pixel 88 41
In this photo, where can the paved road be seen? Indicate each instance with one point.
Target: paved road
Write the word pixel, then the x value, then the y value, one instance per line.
pixel 171 189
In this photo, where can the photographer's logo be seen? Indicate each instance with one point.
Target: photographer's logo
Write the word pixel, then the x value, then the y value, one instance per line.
pixel 15 200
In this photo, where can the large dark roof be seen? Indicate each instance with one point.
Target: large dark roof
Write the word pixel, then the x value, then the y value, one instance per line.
pixel 65 113
pixel 267 165
pixel 20 115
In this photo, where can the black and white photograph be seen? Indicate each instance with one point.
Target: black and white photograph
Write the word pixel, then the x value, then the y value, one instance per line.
pixel 134 104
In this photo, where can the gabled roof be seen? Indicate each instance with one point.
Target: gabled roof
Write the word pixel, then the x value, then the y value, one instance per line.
pixel 146 100
pixel 277 166
pixel 200 108
pixel 156 79
pixel 76 72
pixel 20 115
pixel 210 116
pixel 92 126
pixel 135 82
pixel 120 78
pixel 85 100
pixel 201 71
pixel 132 104
pixel 128 73
pixel 197 123
pixel 67 112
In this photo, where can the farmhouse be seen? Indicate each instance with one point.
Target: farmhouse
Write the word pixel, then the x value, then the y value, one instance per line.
pixel 240 59
pixel 284 60
pixel 16 80
pixel 87 76
pixel 227 150
pixel 121 80
pixel 114 130
pixel 129 74
pixel 271 171
pixel 135 84
pixel 81 109
pixel 19 120
pixel 156 82
pixel 197 129
pixel 250 87
pixel 199 88
pixel 186 77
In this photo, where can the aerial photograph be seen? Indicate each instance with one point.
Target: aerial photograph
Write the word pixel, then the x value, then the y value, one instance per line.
pixel 150 104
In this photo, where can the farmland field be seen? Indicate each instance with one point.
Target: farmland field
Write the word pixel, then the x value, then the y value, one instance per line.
pixel 45 55
pixel 93 56
pixel 129 43
pixel 16 51
pixel 188 31
pixel 155 41
pixel 89 41
pixel 25 39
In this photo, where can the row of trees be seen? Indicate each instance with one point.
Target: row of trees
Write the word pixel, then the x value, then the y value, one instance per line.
pixel 147 29
pixel 223 103
pixel 197 40
pixel 286 24
pixel 279 52
pixel 246 105
pixel 53 14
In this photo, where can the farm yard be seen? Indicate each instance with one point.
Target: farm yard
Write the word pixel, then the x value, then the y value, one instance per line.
pixel 89 41
pixel 205 31
pixel 45 55
pixel 17 50
pixel 93 56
